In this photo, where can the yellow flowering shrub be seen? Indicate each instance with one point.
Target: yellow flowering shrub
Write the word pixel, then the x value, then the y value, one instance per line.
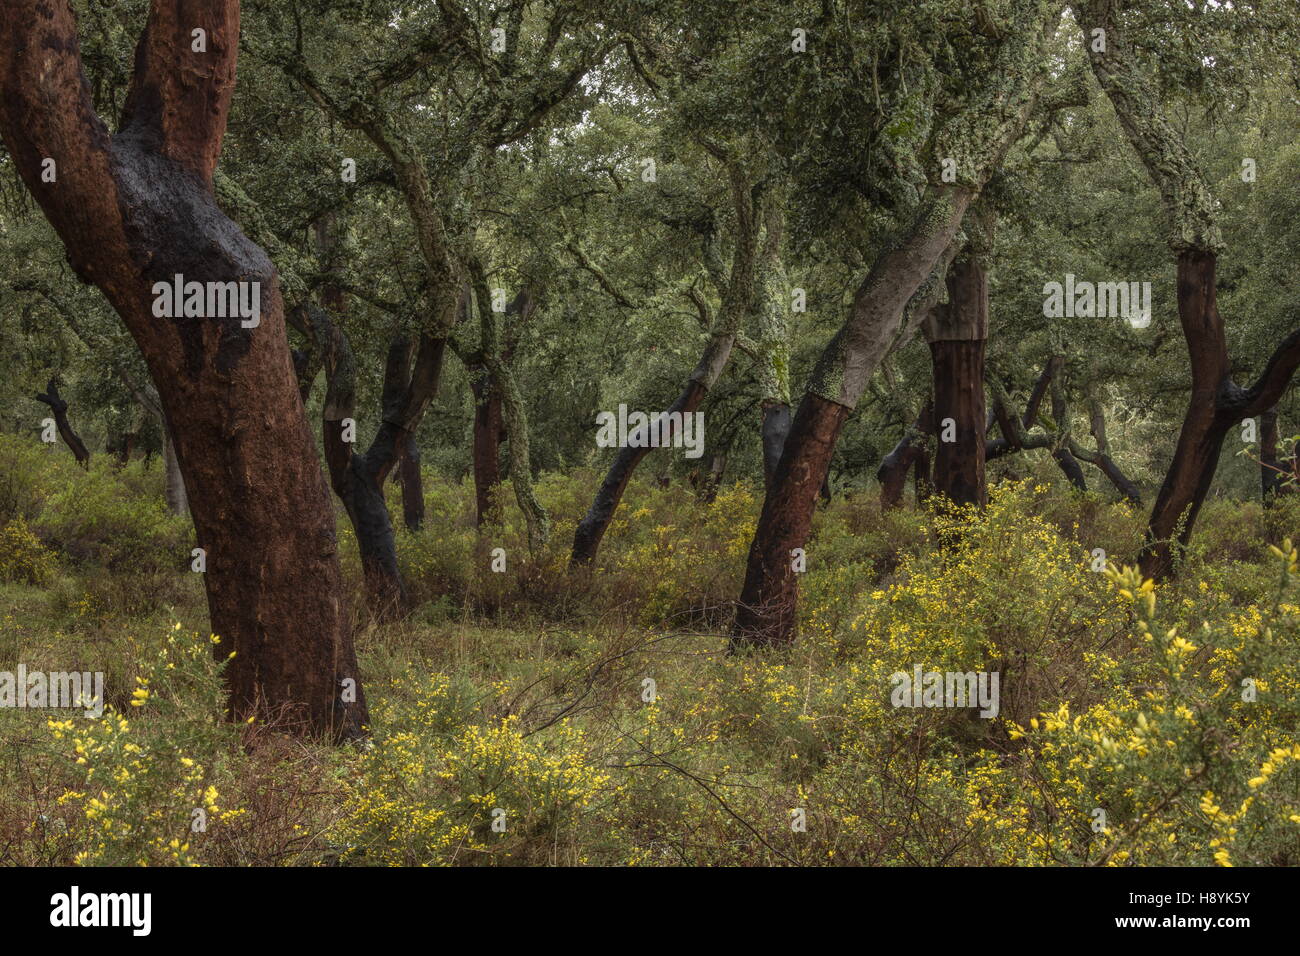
pixel 22 556
pixel 430 791
pixel 139 798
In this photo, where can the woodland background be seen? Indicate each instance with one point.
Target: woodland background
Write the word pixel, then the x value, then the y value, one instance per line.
pixel 622 203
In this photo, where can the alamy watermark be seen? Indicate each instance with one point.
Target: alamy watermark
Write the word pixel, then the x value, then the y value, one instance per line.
pixel 179 299
pixel 130 910
pixel 946 689
pixel 1071 299
pixel 639 430
pixel 56 690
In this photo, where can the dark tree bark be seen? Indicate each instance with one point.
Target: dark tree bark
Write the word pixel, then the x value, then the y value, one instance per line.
pixel 1216 402
pixel 957 332
pixel 908 455
pixel 1102 458
pixel 135 208
pixel 358 479
pixel 1216 405
pixel 1063 450
pixel 59 408
pixel 592 527
pixel 412 485
pixel 775 429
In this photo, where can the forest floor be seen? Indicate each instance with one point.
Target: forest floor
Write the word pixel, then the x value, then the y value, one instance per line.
pixel 534 716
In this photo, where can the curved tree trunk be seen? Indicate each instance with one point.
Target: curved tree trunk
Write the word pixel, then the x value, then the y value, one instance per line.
pixel 136 208
pixel 766 610
pixel 59 408
pixel 908 455
pixel 1216 403
pixel 1204 425
pixel 737 299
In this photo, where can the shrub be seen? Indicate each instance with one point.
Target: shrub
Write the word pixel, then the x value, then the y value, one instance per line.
pixel 22 556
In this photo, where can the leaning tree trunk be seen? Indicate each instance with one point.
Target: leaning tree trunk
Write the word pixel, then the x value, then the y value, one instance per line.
pixel 136 208
pixel 59 408
pixel 994 116
pixel 737 299
pixel 765 613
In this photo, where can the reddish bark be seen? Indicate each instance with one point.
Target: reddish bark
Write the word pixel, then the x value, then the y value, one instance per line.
pixel 765 613
pixel 959 395
pixel 135 208
pixel 1205 424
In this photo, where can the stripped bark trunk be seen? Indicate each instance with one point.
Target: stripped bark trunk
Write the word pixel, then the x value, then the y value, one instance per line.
pixel 766 611
pixel 982 132
pixel 1216 402
pixel 135 208
pixel 956 333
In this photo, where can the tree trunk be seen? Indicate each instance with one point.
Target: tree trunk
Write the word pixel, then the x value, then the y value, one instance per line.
pixel 765 613
pixel 713 481
pixel 591 528
pixel 905 456
pixel 776 428
pixel 959 395
pixel 1205 425
pixel 957 333
pixel 358 479
pixel 738 298
pixel 412 485
pixel 59 408
pixel 487 441
pixel 173 481
pixel 136 208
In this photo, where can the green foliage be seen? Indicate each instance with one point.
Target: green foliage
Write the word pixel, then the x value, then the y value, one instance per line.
pixel 89 519
pixel 22 556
